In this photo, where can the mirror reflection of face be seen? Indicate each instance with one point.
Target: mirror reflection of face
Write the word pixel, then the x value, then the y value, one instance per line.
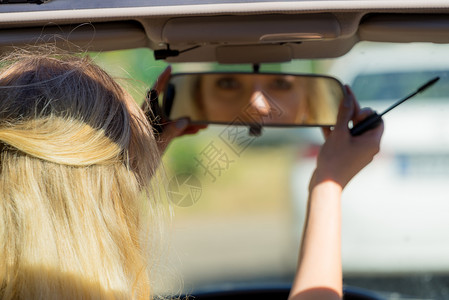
pixel 274 99
pixel 263 99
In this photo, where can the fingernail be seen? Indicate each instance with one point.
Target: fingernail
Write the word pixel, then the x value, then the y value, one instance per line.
pixel 182 123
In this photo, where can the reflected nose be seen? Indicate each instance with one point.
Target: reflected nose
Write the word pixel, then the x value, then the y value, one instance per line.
pixel 259 104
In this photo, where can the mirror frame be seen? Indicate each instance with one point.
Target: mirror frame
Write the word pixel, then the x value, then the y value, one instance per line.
pixel 165 103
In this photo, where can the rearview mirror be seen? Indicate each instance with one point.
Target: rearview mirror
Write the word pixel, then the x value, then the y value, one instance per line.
pixel 253 99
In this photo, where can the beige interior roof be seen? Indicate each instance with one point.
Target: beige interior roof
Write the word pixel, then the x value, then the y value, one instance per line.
pixel 231 31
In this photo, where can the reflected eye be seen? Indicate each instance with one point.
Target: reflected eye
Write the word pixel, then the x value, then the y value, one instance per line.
pixel 227 83
pixel 281 83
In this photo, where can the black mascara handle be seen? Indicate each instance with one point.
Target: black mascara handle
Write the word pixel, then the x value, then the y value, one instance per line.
pixel 369 123
pixel 374 119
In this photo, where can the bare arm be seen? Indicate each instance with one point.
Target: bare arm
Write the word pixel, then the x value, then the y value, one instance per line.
pixel 319 274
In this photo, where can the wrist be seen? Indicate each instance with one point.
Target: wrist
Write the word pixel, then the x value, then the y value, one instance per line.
pixel 325 180
pixel 326 189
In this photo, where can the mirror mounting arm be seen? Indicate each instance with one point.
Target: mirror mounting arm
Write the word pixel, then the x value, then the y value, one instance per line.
pixel 166 53
pixel 255 130
pixel 256 68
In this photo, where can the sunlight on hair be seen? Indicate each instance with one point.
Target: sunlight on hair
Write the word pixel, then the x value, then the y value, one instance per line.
pixel 80 181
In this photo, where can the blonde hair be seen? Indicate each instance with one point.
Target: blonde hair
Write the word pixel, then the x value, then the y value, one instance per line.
pixel 321 100
pixel 76 166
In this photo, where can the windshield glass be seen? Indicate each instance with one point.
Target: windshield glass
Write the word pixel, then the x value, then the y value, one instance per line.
pixel 239 201
pixel 395 85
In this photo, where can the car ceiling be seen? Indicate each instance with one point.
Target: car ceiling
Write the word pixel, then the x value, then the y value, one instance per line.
pixel 231 31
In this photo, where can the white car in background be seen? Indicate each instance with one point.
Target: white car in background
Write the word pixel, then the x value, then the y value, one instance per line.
pixel 397 209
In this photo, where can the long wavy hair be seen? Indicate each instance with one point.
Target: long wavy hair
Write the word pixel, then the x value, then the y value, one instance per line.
pixel 77 195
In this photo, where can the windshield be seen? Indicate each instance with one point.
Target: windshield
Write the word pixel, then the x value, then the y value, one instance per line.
pixel 239 201
pixel 395 85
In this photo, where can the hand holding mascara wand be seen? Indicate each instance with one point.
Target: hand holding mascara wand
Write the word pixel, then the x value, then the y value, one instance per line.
pixel 374 119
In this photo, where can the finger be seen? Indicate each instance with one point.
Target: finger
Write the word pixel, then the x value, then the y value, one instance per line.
pixel 380 130
pixel 326 131
pixel 192 129
pixel 171 130
pixel 362 115
pixel 345 111
pixel 356 103
pixel 162 80
pixel 375 133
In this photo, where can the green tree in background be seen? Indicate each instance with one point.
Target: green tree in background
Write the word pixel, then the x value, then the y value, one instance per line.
pixel 135 69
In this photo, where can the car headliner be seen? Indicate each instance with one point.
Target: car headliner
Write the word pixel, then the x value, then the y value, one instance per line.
pixel 233 31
